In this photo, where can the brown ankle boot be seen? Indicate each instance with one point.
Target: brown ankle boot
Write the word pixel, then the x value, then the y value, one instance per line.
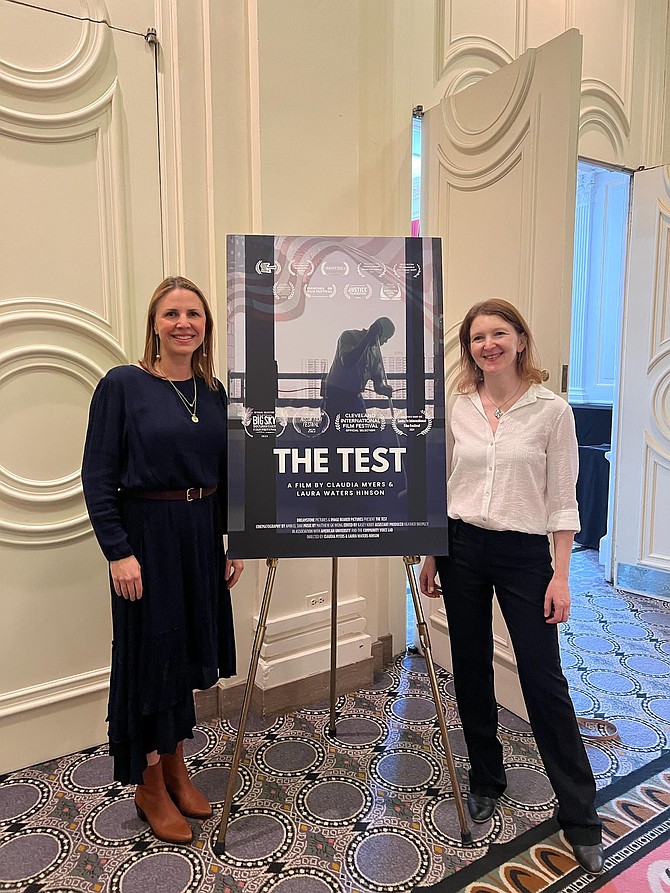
pixel 154 805
pixel 188 798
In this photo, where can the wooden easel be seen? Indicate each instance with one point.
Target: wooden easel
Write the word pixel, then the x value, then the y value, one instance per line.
pixel 410 561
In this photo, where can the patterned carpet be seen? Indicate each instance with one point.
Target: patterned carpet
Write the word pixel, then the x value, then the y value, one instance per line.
pixel 371 811
pixel 636 833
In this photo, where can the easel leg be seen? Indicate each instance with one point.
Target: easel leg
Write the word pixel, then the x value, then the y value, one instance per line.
pixel 333 649
pixel 410 561
pixel 220 845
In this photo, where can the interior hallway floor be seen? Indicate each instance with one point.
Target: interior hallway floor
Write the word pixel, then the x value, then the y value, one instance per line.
pixel 371 811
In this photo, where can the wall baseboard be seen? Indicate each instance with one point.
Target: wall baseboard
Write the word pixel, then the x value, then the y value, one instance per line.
pixel 226 703
pixel 382 652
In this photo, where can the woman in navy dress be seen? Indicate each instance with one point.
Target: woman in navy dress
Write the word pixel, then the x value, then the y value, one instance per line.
pixel 154 476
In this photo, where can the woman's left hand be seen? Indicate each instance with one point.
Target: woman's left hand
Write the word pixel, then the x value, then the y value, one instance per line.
pixel 557 600
pixel 234 568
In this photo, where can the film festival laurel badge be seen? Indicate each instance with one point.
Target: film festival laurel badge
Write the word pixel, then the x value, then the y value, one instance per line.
pixel 311 422
pixel 259 423
pixel 417 425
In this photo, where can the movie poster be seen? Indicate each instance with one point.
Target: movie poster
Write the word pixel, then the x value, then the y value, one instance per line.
pixel 336 397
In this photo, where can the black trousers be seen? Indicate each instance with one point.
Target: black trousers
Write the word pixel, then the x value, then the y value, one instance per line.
pixel 518 566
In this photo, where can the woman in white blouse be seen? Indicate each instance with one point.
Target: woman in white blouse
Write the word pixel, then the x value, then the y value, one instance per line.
pixel 512 473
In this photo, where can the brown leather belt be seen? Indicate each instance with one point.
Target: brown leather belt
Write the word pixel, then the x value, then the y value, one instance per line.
pixel 189 495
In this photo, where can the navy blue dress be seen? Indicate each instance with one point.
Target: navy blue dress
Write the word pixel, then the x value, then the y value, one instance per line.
pixel 179 635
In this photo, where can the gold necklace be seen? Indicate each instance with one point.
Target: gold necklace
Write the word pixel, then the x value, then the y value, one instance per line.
pixel 191 405
pixel 498 411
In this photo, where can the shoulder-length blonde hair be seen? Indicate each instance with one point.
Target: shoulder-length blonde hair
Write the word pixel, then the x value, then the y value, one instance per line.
pixel 202 362
pixel 527 363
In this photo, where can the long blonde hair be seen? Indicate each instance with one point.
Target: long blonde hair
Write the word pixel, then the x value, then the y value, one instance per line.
pixel 527 363
pixel 202 362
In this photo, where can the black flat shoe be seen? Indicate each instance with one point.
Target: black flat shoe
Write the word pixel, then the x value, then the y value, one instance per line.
pixel 481 808
pixel 590 857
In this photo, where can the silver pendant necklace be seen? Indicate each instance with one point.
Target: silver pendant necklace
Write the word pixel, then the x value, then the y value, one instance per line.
pixel 498 412
pixel 191 405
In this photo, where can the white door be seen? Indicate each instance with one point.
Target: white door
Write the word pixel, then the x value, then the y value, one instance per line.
pixel 642 490
pixel 81 254
pixel 499 187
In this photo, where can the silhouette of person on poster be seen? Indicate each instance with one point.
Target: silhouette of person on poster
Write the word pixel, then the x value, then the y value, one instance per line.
pixel 358 359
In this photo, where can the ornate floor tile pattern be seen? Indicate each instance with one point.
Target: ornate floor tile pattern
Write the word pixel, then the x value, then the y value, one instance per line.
pixel 368 812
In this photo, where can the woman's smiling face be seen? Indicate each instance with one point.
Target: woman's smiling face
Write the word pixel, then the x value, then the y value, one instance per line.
pixel 180 322
pixel 495 344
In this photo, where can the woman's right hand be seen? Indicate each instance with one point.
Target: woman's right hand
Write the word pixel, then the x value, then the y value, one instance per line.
pixel 427 577
pixel 127 577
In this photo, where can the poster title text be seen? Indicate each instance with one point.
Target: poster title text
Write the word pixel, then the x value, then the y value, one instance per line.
pixel 359 459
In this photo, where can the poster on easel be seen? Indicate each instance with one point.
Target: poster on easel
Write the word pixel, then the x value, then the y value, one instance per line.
pixel 336 397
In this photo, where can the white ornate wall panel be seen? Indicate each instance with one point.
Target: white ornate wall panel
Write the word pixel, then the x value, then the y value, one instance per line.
pixel 309 115
pixel 494 165
pixel 642 497
pixel 498 188
pixel 80 231
pixel 655 530
pixel 622 94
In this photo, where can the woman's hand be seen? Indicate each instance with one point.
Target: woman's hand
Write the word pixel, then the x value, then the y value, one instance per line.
pixel 234 569
pixel 557 600
pixel 127 577
pixel 427 578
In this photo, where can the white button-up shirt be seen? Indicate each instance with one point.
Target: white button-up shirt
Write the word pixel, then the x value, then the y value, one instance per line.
pixel 522 477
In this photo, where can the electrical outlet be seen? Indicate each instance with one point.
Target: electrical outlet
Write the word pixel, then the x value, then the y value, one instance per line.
pixel 316 600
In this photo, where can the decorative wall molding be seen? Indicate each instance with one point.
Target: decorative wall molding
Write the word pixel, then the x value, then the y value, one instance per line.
pixel 470 140
pixel 660 406
pixel 170 137
pixel 53 692
pixel 653 94
pixel 97 121
pixel 619 74
pixel 452 360
pixel 53 321
pixel 54 316
pixel 297 645
pixel 596 89
pixel 660 299
pixel 515 144
pixel 601 119
pixel 73 71
pixel 40 358
pixel 463 51
pixel 654 530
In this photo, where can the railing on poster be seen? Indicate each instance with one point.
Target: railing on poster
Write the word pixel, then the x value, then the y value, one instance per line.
pixel 310 393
